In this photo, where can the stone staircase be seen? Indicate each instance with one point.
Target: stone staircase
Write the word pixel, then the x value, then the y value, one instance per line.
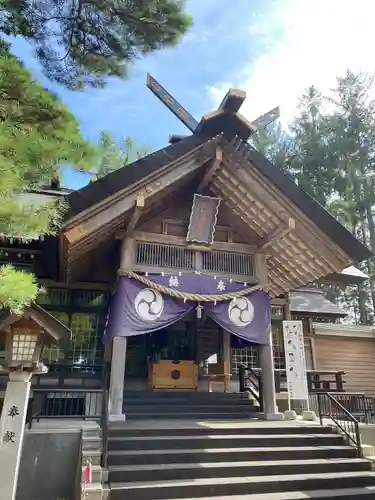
pixel 141 405
pixel 179 459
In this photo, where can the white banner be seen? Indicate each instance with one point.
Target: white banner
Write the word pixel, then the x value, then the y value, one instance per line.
pixel 295 361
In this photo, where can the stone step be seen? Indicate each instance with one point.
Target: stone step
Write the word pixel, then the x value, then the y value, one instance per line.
pixel 348 494
pixel 93 491
pixel 169 472
pixel 212 428
pixel 183 394
pixel 215 441
pixel 144 457
pixel 92 433
pixel 94 455
pixel 187 401
pixel 189 408
pixel 91 443
pixel 96 473
pixel 229 416
pixel 185 398
pixel 198 488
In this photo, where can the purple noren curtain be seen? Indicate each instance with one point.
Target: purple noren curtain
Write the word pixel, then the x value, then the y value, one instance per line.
pixel 136 309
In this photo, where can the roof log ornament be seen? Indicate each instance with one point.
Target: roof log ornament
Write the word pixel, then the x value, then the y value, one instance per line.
pixel 225 120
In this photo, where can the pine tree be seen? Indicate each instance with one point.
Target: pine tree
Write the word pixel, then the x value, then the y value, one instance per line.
pixel 332 157
pixel 111 154
pixel 80 42
pixel 37 135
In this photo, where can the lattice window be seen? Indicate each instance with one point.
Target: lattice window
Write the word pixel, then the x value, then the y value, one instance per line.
pixel 277 313
pixel 247 356
pixel 54 353
pixel 85 346
pixel 55 297
pixel 226 262
pixel 151 254
pixel 89 298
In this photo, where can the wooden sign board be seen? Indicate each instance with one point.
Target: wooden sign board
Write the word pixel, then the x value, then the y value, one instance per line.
pixel 203 219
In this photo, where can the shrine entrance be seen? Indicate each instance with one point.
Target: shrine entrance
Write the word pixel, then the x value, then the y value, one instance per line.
pixel 175 357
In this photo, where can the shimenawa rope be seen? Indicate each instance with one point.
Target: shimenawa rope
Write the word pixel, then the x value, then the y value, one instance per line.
pixel 192 296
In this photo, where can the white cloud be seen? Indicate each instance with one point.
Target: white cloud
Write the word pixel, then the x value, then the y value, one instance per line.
pixel 305 42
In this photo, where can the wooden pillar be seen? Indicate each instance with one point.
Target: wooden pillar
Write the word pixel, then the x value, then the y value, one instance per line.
pixel 287 312
pixel 226 351
pixel 266 354
pixel 119 344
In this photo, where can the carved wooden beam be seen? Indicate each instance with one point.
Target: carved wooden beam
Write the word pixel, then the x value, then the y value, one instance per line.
pixel 210 172
pixel 137 212
pixel 277 234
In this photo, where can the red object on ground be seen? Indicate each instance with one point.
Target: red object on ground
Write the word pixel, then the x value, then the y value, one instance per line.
pixel 87 474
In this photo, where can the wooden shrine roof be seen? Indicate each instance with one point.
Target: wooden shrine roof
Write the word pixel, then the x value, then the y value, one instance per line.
pixel 313 301
pixel 96 192
pixel 257 192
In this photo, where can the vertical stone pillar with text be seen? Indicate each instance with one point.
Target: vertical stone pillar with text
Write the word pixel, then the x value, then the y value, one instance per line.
pixel 12 428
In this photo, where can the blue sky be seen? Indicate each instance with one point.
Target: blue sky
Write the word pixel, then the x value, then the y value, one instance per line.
pixel 273 49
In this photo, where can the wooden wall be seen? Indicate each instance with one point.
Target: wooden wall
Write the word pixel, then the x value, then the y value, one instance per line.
pixel 355 356
pixel 174 221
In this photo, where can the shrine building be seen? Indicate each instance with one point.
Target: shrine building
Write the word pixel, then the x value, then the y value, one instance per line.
pixel 192 256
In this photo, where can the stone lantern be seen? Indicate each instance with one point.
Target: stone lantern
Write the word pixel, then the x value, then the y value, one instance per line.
pixel 23 337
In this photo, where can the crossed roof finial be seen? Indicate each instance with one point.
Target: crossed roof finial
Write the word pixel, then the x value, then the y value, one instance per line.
pixel 226 119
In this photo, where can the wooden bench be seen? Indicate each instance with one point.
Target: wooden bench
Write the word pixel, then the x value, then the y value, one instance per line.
pixel 218 372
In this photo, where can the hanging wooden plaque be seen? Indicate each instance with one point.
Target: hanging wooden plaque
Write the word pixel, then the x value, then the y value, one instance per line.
pixel 203 219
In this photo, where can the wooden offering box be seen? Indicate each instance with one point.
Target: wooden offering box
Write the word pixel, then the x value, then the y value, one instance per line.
pixel 168 374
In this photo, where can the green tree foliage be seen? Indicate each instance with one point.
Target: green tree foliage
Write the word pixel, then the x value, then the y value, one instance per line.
pixel 110 154
pixel 329 149
pixel 80 42
pixel 37 135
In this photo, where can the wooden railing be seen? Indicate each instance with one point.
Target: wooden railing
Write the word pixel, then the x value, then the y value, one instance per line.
pixel 250 379
pixel 66 375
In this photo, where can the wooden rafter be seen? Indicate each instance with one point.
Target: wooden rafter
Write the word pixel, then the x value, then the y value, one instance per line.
pixel 137 212
pixel 277 234
pixel 210 172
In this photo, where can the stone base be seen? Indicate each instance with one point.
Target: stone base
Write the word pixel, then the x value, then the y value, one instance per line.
pixel 309 416
pixel 290 415
pixel 273 416
pixel 120 417
pixel 367 450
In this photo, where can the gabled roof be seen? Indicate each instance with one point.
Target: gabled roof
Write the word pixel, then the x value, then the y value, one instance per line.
pixel 109 185
pixel 97 191
pixel 313 209
pixel 313 301
pixel 57 331
pixel 348 276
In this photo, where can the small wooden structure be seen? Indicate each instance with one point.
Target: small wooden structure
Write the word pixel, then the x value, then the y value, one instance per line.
pixel 167 374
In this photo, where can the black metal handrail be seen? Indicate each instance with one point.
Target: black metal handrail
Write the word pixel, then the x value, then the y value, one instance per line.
pixel 330 407
pixel 250 380
pixel 358 405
